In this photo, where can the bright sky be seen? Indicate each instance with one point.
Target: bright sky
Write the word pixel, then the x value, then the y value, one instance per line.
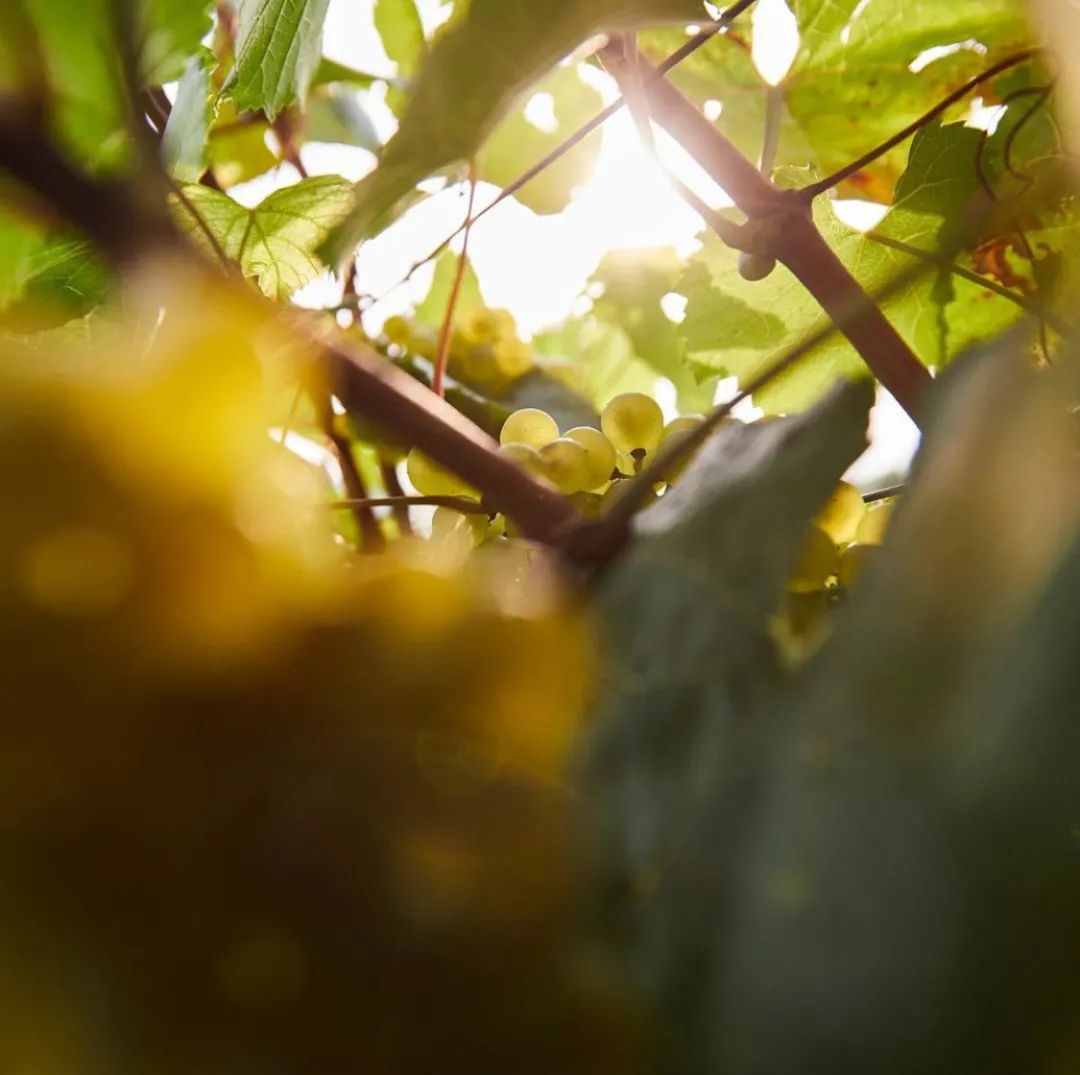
pixel 535 266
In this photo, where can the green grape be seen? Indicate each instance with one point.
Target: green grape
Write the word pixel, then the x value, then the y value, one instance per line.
pixel 483 326
pixel 678 429
pixel 633 423
pixel 432 480
pixel 565 464
pixel 599 452
pixel 527 458
pixel 589 505
pixel 875 522
pixel 755 266
pixel 626 464
pixel 529 426
pixel 513 357
pixel 618 489
pixel 853 561
pixel 818 562
pixel 842 513
pixel 397 329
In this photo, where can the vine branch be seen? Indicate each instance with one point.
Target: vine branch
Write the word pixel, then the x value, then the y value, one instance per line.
pixel 781 222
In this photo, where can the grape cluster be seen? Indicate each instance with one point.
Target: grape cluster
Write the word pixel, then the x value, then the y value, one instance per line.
pixel 589 465
pixel 485 349
pixel 842 539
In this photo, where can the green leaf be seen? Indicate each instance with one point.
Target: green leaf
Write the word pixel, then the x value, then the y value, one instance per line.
pixel 677 740
pixel 602 358
pixel 911 852
pixel 57 278
pixel 275 242
pixel 238 151
pixel 432 310
pixel 76 43
pixel 516 144
pixel 471 77
pixel 851 86
pixel 402 33
pixel 330 72
pixel 184 148
pixel 278 47
pixel 737 327
pixel 336 115
pixel 171 33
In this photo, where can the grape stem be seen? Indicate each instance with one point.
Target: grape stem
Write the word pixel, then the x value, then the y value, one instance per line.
pixel 884 494
pixel 442 349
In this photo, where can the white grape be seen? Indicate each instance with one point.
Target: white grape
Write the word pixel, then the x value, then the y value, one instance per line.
pixel 599 452
pixel 633 423
pixel 529 426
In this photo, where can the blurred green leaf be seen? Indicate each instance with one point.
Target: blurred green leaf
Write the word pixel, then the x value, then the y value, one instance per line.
pixel 184 144
pixel 432 311
pixel 517 144
pixel 171 33
pixel 55 279
pixel 278 47
pixel 402 33
pixel 275 242
pixel 471 77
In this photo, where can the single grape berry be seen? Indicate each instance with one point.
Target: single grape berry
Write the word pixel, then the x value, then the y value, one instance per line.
pixel 430 479
pixel 842 513
pixel 633 422
pixel 529 426
pixel 525 457
pixel 678 429
pixel 599 452
pixel 818 563
pixel 565 463
pixel 755 266
pixel 875 522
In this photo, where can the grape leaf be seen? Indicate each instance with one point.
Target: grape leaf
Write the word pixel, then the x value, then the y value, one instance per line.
pixel 56 278
pixel 469 80
pixel 335 114
pixel 516 144
pixel 735 326
pixel 677 739
pixel 278 47
pixel 402 32
pixel 911 852
pixel 184 144
pixel 275 242
pixel 851 85
pixel 432 311
pixel 76 43
pixel 171 33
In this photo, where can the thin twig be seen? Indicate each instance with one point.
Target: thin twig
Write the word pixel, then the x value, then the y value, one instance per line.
pixel 369 534
pixel 1036 309
pixel 884 494
pixel 830 181
pixel 393 488
pixel 442 348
